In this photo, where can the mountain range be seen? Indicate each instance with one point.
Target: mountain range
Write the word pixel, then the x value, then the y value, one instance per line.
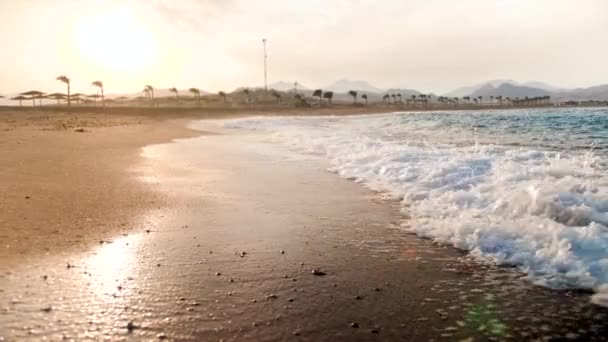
pixel 498 87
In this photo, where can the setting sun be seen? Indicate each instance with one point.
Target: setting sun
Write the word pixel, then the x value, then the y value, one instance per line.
pixel 115 40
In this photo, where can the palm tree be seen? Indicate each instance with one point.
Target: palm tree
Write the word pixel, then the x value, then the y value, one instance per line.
pixel 34 94
pixel 400 98
pixel 423 99
pixel 329 95
pixel 480 99
pixel 248 93
pixel 174 90
pixel 353 93
pixel 364 96
pixel 19 98
pixel 394 97
pixel 66 80
pixel 149 90
pixel 277 96
pixel 319 93
pixel 224 96
pixel 197 95
pixel 386 98
pixel 99 85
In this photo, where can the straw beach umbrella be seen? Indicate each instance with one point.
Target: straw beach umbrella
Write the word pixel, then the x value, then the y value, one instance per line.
pixel 19 98
pixel 33 95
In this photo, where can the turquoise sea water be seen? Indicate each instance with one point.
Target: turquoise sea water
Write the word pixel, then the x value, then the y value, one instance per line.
pixel 526 187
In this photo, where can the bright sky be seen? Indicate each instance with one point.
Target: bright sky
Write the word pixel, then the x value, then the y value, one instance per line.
pixel 429 45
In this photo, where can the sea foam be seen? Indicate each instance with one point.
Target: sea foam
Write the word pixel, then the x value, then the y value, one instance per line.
pixel 544 211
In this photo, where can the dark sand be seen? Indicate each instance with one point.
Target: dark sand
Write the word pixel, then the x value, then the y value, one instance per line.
pixel 235 228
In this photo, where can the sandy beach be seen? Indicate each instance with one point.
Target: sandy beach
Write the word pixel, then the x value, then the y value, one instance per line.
pixel 64 190
pixel 117 232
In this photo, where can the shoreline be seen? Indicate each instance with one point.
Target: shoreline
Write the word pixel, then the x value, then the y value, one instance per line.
pixel 230 257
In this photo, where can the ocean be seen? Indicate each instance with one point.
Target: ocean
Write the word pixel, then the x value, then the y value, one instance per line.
pixel 525 188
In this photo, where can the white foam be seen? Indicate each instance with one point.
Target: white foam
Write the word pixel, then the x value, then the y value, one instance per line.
pixel 544 211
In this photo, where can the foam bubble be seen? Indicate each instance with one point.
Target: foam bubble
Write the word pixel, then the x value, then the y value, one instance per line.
pixel 544 211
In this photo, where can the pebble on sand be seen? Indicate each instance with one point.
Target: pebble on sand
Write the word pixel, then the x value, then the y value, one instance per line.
pixel 131 326
pixel 354 325
pixel 47 309
pixel 318 272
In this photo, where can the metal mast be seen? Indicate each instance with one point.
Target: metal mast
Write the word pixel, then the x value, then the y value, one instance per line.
pixel 265 68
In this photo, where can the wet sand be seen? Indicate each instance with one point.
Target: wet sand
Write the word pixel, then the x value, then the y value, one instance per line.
pixel 230 251
pixel 64 190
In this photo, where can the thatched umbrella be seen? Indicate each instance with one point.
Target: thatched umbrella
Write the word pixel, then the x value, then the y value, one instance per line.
pixel 57 96
pixel 20 99
pixel 34 94
pixel 78 97
pixel 94 97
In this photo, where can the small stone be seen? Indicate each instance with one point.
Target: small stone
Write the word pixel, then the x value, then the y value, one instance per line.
pixel 358 298
pixel 272 296
pixel 131 326
pixel 231 280
pixel 242 254
pixel 296 333
pixel 377 289
pixel 218 273
pixel 282 251
pixel 45 277
pixel 318 272
pixel 47 309
pixel 157 265
pixel 354 325
pixel 27 197
pixel 148 230
pixel 161 336
pixel 254 301
pixel 374 331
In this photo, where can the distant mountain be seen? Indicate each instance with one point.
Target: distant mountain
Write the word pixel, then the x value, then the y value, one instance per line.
pixel 468 90
pixel 582 94
pixel 344 85
pixel 286 86
pixel 403 92
pixel 509 90
pixel 541 85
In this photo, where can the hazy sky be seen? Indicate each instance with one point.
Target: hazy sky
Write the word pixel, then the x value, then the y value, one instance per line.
pixel 430 45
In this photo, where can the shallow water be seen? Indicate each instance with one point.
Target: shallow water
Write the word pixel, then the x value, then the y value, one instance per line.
pixel 522 187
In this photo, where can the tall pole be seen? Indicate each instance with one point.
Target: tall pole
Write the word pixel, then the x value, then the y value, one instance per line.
pixel 265 68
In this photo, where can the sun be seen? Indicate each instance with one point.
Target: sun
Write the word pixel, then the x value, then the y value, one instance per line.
pixel 115 40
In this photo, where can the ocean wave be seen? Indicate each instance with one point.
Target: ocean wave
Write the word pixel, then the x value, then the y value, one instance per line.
pixel 544 211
